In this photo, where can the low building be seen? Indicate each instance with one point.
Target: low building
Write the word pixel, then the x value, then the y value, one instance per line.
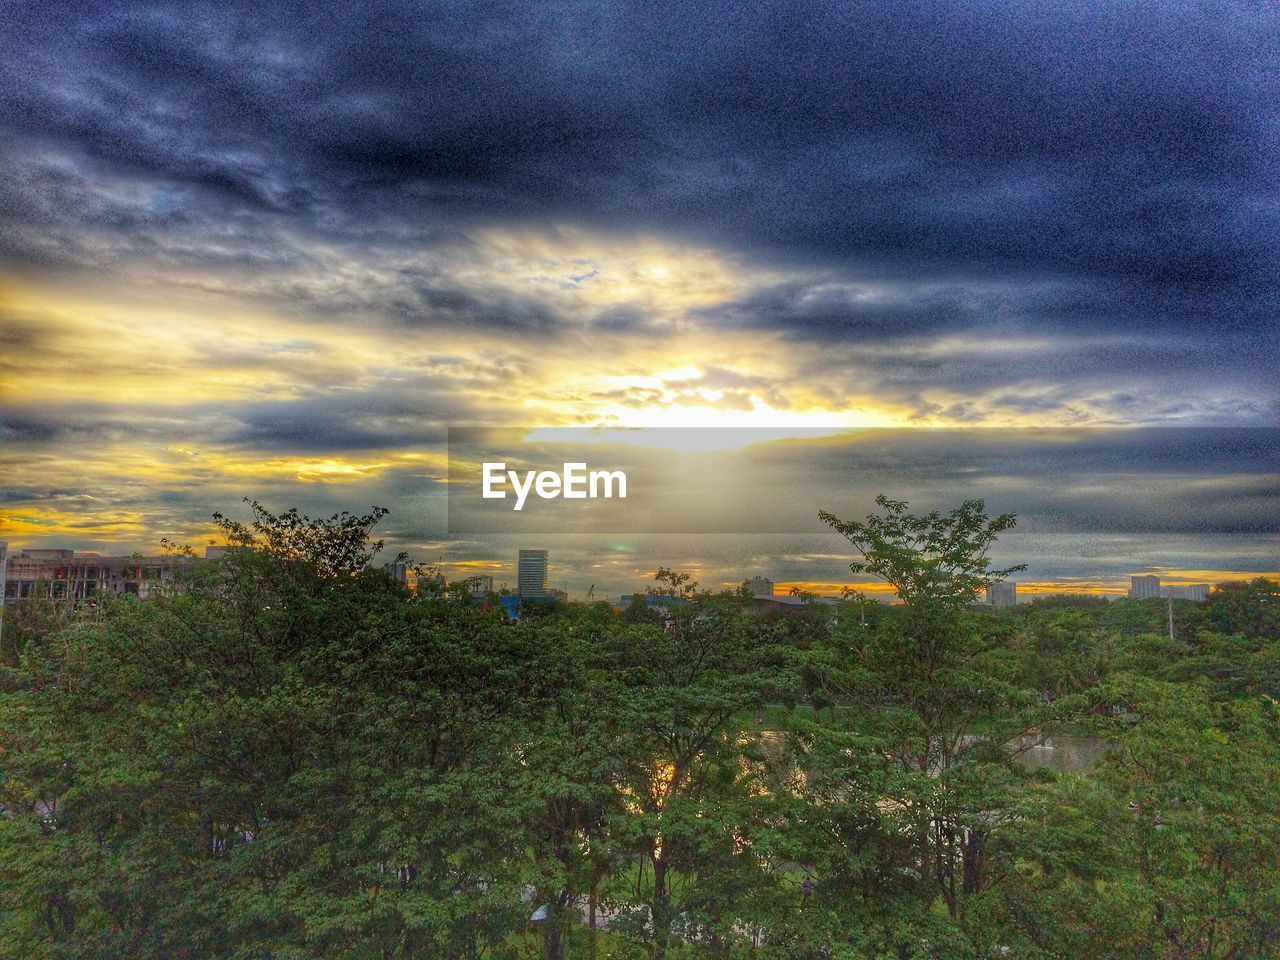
pixel 68 575
pixel 480 585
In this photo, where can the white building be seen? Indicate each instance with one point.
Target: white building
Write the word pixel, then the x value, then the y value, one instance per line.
pixel 481 585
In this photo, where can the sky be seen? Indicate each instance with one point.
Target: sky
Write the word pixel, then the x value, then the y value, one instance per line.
pixel 248 250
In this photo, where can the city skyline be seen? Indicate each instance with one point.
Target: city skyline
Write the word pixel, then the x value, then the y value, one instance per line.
pixel 530 577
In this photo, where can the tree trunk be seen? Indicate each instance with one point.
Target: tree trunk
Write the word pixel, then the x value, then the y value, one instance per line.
pixel 554 943
pixel 661 920
pixel 553 928
pixel 591 921
pixel 972 853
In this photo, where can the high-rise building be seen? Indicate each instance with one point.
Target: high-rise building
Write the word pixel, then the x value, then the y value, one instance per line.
pixel 1003 594
pixel 531 575
pixel 759 586
pixel 1144 587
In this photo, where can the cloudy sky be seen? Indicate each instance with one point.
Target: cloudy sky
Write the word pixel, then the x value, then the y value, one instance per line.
pixel 247 251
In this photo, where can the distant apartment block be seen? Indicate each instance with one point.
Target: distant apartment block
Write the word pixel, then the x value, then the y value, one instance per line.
pixel 1144 587
pixel 1003 594
pixel 68 575
pixel 1198 592
pixel 759 586
pixel 531 575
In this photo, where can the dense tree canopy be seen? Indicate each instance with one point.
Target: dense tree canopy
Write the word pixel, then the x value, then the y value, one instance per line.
pixel 289 755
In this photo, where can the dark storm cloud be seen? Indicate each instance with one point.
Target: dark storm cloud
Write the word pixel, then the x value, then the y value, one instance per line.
pixel 408 295
pixel 407 415
pixel 69 424
pixel 364 421
pixel 1132 142
pixel 25 429
pixel 419 299
pixel 821 309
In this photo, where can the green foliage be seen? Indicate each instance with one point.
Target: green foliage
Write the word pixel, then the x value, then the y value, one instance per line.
pixel 289 756
pixel 1251 609
pixel 1171 850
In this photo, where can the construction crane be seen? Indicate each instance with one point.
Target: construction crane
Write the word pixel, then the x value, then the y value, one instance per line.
pixel 591 593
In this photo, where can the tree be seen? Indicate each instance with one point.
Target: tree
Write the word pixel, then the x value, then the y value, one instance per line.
pixel 937 560
pixel 912 787
pixel 686 685
pixel 571 763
